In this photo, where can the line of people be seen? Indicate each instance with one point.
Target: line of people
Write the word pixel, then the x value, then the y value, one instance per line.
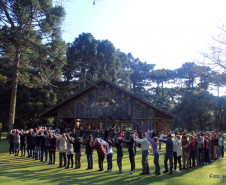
pixel 194 149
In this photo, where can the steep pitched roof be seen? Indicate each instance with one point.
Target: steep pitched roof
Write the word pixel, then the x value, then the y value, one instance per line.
pixel 161 110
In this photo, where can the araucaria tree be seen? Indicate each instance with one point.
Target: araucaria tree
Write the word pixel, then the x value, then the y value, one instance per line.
pixel 30 29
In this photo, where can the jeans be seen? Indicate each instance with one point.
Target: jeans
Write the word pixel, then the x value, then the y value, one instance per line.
pixel 222 151
pixel 192 157
pixel 11 148
pixel 101 161
pixel 177 159
pixel 186 159
pixel 201 156
pixel 37 152
pixel 132 161
pixel 197 156
pixel 145 165
pixel 78 160
pixel 52 156
pixel 156 162
pixel 109 160
pixel 168 156
pixel 46 151
pixel 90 161
pixel 70 158
pixel 62 156
pixel 119 162
pixel 29 151
pixel 219 151
pixel 42 153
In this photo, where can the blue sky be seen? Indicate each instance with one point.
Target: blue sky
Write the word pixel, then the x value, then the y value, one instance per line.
pixel 167 33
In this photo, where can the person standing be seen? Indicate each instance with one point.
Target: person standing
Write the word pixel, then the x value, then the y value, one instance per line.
pixel 17 142
pixel 47 145
pixel 206 150
pixel 108 144
pixel 62 149
pixel 145 151
pixel 89 151
pixel 23 143
pixel 192 150
pixel 11 142
pixel 200 141
pixel 168 154
pixel 69 150
pixel 222 145
pixel 178 154
pixel 186 152
pixel 212 147
pixel 118 144
pixel 52 148
pixel 101 154
pixel 132 152
pixel 156 153
pixel 78 151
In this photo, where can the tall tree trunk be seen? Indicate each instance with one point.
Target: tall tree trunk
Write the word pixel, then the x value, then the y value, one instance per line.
pixel 12 109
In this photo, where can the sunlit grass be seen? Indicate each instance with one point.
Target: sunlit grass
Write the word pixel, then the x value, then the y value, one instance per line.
pixel 21 170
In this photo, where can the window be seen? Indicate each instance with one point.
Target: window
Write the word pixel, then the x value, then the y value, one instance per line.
pixel 104 102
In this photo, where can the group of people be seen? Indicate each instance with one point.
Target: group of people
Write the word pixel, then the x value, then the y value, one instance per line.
pixel 195 149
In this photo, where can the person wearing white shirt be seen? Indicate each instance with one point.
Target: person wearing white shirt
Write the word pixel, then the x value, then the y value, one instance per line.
pixel 145 151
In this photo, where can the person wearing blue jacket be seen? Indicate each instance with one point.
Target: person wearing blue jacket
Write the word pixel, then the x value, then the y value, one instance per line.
pixel 168 154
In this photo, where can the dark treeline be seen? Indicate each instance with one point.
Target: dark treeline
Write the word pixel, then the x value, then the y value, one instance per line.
pixel 45 80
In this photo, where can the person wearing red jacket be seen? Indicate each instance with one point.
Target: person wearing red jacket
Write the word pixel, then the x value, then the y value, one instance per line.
pixel 101 153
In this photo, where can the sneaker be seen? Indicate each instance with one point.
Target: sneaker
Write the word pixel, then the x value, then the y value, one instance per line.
pixel 45 162
pixel 170 173
pixel 179 171
pixel 130 173
pixel 118 172
pixel 107 171
pixel 165 171
pixel 158 173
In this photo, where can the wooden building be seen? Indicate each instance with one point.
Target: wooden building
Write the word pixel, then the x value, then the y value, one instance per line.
pixel 106 105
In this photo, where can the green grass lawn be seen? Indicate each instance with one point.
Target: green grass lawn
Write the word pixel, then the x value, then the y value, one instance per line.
pixel 21 170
